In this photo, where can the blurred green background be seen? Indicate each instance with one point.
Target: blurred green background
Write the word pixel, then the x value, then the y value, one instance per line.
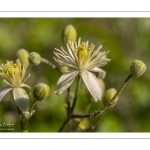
pixel 126 39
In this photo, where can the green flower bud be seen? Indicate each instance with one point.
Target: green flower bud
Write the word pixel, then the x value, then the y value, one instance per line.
pixel 137 68
pixel 34 58
pixel 41 91
pixel 23 55
pixel 109 94
pixel 69 34
pixel 64 69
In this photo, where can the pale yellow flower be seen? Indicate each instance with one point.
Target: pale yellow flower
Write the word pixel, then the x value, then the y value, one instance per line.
pixel 82 59
pixel 13 74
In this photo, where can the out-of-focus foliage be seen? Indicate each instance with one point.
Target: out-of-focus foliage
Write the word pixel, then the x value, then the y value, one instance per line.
pixel 126 39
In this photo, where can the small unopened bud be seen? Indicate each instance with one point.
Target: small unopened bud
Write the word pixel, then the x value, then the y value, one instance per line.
pixel 34 58
pixel 23 55
pixel 64 69
pixel 69 34
pixel 137 68
pixel 41 91
pixel 109 94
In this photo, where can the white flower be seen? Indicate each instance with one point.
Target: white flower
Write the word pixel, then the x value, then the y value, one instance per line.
pixel 13 75
pixel 81 59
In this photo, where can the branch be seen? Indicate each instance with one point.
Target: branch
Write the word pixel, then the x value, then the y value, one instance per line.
pixel 110 102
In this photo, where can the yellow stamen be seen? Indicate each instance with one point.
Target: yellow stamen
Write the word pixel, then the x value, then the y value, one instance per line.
pixel 9 68
pixel 82 53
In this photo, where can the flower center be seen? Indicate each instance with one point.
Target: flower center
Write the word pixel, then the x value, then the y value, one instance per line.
pixel 9 68
pixel 82 53
pixel 13 73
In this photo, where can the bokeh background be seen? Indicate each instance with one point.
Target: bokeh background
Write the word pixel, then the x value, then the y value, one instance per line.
pixel 126 39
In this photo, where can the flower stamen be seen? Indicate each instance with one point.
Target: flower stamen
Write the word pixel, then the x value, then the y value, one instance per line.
pixel 13 73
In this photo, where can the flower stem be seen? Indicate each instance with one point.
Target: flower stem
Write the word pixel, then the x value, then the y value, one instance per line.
pixel 25 118
pixel 121 88
pixel 32 105
pixel 73 105
pixel 23 124
pixel 68 101
pixel 100 111
pixel 64 124
pixel 76 94
pixel 50 64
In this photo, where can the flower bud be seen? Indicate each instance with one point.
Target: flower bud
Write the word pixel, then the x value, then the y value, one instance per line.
pixel 23 55
pixel 109 94
pixel 137 68
pixel 34 58
pixel 64 69
pixel 69 34
pixel 41 91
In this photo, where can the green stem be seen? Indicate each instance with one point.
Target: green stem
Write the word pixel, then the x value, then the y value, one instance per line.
pixel 94 114
pixel 76 93
pixel 23 125
pixel 25 119
pixel 100 111
pixel 121 88
pixel 32 105
pixel 64 124
pixel 73 105
pixel 50 64
pixel 68 101
pixel 69 107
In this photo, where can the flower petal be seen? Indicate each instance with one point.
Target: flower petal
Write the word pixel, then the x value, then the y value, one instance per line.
pixel 26 87
pixel 103 73
pixel 4 91
pixel 21 99
pixel 92 84
pixel 65 81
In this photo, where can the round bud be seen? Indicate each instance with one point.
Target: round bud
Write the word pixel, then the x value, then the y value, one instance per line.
pixel 64 69
pixel 109 94
pixel 69 34
pixel 137 68
pixel 23 55
pixel 34 58
pixel 41 91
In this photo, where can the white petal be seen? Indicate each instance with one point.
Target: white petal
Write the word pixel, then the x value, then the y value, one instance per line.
pixel 21 99
pixel 4 91
pixel 99 70
pixel 92 84
pixel 26 87
pixel 65 81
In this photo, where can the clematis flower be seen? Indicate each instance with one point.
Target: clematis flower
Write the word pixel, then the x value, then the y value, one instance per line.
pixel 13 75
pixel 82 60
